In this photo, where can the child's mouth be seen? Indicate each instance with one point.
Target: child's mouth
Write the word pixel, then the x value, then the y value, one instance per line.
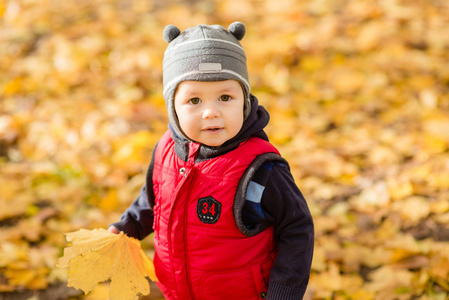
pixel 213 129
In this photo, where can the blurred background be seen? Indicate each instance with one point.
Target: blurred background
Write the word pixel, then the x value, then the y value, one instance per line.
pixel 358 92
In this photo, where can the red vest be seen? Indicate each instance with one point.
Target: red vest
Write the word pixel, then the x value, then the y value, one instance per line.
pixel 200 252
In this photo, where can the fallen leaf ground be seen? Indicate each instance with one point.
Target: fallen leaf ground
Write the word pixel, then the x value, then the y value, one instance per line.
pixel 358 93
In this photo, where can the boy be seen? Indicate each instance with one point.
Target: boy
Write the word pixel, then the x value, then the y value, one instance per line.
pixel 229 221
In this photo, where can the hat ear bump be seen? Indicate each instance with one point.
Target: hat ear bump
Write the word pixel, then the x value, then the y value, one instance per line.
pixel 170 33
pixel 238 30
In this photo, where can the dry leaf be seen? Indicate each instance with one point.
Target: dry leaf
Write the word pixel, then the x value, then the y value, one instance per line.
pixel 97 255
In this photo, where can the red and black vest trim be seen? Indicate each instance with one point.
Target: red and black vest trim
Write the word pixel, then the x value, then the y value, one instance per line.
pixel 240 195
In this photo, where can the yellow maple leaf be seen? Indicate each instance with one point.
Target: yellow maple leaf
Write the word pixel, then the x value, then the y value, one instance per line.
pixel 97 255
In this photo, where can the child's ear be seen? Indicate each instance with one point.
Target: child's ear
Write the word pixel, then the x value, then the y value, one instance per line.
pixel 238 30
pixel 170 33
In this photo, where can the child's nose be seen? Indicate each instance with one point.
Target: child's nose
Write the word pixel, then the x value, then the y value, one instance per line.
pixel 211 112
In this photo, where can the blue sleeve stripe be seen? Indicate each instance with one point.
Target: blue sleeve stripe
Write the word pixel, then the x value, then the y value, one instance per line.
pixel 254 192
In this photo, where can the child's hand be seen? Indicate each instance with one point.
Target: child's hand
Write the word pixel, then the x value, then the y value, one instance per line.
pixel 113 230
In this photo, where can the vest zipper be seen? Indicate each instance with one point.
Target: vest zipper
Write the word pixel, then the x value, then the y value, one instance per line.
pixel 193 152
pixel 188 176
pixel 169 231
pixel 192 175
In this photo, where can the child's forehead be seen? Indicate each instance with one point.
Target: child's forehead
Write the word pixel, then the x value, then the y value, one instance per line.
pixel 224 85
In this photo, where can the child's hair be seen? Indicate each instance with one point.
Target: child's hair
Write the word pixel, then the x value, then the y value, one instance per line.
pixel 203 53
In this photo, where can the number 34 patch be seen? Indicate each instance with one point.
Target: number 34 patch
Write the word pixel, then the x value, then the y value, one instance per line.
pixel 208 210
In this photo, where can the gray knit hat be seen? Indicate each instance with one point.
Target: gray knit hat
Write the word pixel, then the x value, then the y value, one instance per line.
pixel 203 53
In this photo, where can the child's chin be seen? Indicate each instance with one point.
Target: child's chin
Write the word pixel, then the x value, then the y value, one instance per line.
pixel 214 143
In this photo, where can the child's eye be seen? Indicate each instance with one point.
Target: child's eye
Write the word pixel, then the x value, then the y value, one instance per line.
pixel 195 101
pixel 225 98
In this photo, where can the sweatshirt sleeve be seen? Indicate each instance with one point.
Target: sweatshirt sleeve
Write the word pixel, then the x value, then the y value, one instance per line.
pixel 285 207
pixel 137 220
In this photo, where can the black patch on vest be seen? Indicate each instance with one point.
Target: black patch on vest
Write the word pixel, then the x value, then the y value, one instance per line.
pixel 208 210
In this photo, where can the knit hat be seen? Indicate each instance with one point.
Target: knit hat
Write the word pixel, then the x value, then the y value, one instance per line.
pixel 203 53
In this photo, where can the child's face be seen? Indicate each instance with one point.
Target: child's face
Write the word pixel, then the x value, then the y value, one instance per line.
pixel 210 112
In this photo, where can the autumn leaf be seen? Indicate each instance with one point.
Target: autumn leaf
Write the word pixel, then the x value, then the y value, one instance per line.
pixel 97 255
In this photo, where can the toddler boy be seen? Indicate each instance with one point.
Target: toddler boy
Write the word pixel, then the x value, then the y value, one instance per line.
pixel 228 218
